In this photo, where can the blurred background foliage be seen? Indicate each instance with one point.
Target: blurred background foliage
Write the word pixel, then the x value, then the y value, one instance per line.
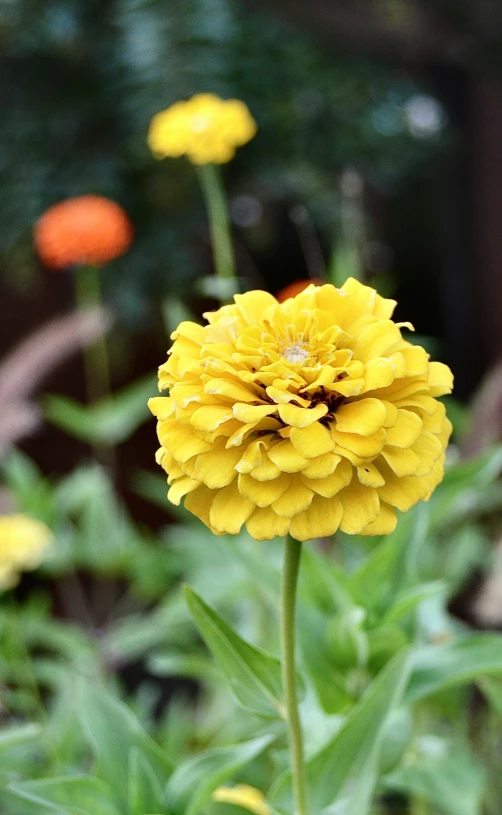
pixel 82 80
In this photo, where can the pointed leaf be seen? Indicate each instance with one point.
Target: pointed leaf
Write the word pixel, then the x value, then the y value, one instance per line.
pixel 456 663
pixel 453 782
pixel 113 731
pixel 145 792
pixel 191 785
pixel 253 675
pixel 71 795
pixel 344 772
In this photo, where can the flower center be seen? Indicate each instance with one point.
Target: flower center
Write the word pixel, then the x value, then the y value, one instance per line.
pixel 200 123
pixel 296 352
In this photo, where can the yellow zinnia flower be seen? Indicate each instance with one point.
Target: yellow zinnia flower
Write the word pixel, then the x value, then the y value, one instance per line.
pixel 23 545
pixel 243 795
pixel 205 128
pixel 304 416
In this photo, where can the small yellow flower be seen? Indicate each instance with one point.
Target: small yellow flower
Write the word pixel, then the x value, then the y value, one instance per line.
pixel 205 128
pixel 23 544
pixel 243 796
pixel 304 416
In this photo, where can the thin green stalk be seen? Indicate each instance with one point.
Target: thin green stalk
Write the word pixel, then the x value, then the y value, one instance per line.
pixel 219 223
pixel 97 369
pixel 292 555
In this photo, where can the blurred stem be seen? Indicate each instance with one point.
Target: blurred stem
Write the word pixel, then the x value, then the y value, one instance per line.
pixel 292 556
pixel 21 647
pixel 219 223
pixel 96 365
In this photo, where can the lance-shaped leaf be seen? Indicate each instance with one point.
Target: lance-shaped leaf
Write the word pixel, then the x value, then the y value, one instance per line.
pixel 114 732
pixel 191 785
pixel 145 791
pixel 75 795
pixel 344 773
pixel 253 675
pixel 456 663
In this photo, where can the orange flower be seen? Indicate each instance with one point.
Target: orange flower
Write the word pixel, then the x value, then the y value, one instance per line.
pixel 89 229
pixel 295 288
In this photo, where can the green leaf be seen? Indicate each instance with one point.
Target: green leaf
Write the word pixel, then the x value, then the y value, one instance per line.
pixel 108 422
pixel 75 795
pixel 13 736
pixel 113 732
pixel 344 772
pixel 408 599
pixel 454 782
pixel 460 662
pixel 145 792
pixel 253 675
pixel 191 785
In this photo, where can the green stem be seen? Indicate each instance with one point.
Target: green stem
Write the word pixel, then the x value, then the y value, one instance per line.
pixel 219 223
pixel 96 365
pixel 292 555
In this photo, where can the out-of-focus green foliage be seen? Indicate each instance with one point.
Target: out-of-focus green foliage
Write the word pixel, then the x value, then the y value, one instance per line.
pixel 386 671
pixel 83 78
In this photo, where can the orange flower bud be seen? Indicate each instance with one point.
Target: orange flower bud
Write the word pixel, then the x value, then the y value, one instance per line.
pixel 88 230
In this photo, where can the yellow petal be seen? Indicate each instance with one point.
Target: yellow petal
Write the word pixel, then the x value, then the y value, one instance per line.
pixel 440 379
pixel 286 457
pixel 320 520
pixel 182 442
pixel 252 304
pixel 406 430
pixel 402 461
pixel 180 488
pixel 362 446
pixel 162 407
pixel 301 417
pixel 263 493
pixel 370 476
pixel 360 505
pixel 321 466
pixel 199 503
pixel 210 417
pixel 243 795
pixel 230 390
pixel 229 510
pixel 312 441
pixel 193 331
pixel 378 373
pixel 417 360
pixel 216 468
pixel 282 397
pixel 295 499
pixel 265 524
pixel 428 449
pixel 376 340
pixel 329 486
pixel 252 413
pixel 253 456
pixel 384 524
pixel 435 423
pixel 363 417
pixel 403 493
pixel 267 470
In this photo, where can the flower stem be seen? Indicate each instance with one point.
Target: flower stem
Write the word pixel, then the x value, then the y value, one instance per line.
pixel 219 223
pixel 292 555
pixel 97 369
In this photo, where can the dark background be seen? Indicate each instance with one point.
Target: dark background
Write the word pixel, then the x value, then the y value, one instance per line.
pixel 379 152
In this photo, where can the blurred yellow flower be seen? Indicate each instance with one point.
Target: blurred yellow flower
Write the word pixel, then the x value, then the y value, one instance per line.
pixel 205 128
pixel 244 796
pixel 23 544
pixel 304 416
